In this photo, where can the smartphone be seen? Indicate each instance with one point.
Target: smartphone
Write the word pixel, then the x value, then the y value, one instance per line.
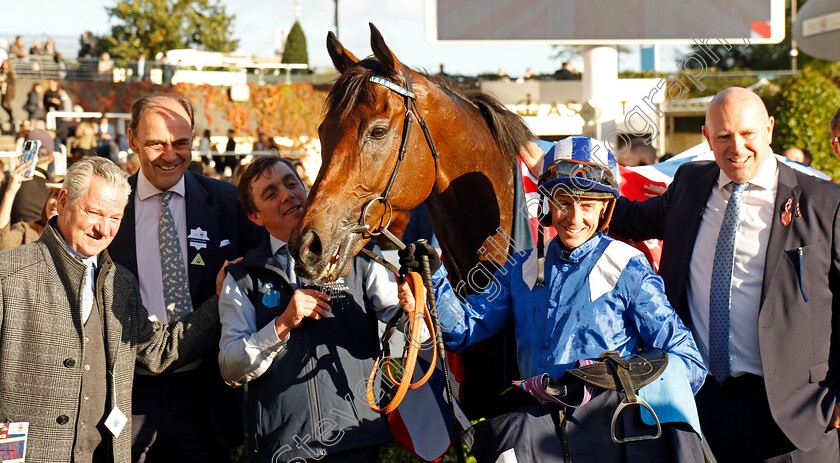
pixel 30 155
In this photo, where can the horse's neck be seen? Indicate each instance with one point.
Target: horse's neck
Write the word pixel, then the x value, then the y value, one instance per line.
pixel 472 212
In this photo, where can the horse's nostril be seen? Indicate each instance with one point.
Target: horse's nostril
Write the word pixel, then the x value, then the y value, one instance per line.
pixel 312 247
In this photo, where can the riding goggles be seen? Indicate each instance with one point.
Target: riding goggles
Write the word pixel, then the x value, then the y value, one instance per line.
pixel 580 178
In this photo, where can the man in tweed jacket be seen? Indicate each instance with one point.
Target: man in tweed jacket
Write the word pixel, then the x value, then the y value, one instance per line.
pixel 68 347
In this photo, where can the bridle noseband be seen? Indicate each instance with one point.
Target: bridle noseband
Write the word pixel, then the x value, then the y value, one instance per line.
pixel 411 112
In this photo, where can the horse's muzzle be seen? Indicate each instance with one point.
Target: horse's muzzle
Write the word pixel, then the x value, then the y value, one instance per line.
pixel 308 253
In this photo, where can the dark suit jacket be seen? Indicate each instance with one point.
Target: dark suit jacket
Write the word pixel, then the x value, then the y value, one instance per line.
pixel 798 313
pixel 213 206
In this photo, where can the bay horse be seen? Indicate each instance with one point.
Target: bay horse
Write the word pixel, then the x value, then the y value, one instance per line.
pixel 462 164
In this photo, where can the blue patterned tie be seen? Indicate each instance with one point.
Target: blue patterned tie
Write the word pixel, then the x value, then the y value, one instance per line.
pixel 721 288
pixel 176 289
pixel 288 264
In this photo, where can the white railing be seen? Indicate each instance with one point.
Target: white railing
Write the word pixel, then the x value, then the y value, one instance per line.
pixel 120 117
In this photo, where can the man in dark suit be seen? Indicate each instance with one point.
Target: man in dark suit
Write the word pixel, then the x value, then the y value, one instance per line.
pixel 751 262
pixel 228 160
pixel 189 415
pixel 167 70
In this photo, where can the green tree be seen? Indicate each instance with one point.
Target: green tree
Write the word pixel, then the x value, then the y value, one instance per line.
pixel 295 49
pixel 153 26
pixel 804 112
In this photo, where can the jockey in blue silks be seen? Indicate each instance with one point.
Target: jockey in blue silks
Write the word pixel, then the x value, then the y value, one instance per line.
pixel 570 299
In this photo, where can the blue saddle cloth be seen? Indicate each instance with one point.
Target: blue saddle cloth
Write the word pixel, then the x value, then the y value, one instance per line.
pixel 670 397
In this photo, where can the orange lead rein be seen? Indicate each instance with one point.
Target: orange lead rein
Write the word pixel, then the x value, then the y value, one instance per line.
pixel 417 319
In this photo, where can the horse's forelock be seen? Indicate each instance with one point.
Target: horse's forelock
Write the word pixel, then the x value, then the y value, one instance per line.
pixel 354 87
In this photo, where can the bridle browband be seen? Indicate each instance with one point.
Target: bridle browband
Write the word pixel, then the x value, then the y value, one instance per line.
pixel 411 112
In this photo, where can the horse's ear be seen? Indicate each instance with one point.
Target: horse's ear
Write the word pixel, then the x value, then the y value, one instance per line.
pixel 341 58
pixel 386 58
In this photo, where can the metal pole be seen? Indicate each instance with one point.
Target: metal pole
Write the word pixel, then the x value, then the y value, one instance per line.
pixel 794 52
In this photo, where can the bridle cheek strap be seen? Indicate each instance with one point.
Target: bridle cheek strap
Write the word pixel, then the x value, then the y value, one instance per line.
pixel 410 112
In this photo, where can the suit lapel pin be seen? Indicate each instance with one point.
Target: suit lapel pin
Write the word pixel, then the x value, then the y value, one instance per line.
pixel 271 297
pixel 798 213
pixel 198 260
pixel 198 238
pixel 785 216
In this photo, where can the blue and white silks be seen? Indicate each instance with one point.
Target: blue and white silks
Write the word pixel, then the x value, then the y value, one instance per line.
pixel 601 296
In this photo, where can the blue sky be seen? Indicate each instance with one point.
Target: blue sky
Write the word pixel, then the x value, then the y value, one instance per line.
pixel 400 21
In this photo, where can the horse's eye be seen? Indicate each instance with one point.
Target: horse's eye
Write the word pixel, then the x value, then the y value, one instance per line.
pixel 378 132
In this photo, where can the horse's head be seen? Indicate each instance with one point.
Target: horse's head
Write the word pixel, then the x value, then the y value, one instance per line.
pixel 361 181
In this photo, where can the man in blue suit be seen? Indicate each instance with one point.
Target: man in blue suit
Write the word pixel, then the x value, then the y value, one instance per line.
pixel 179 229
pixel 751 262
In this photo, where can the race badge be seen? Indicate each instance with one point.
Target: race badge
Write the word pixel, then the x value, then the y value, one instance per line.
pixel 198 238
pixel 785 218
pixel 116 421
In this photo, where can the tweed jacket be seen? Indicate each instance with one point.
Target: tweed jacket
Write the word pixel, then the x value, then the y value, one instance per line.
pixel 41 342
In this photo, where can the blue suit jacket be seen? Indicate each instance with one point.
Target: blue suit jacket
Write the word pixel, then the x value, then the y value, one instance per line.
pixel 799 313
pixel 213 206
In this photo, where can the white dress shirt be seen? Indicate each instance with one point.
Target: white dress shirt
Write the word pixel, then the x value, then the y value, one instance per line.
pixel 89 282
pixel 141 68
pixel 146 221
pixel 245 352
pixel 753 233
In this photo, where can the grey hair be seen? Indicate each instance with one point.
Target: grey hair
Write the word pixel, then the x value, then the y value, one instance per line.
pixel 80 174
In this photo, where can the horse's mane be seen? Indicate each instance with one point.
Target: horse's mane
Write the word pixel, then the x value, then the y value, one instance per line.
pixel 354 87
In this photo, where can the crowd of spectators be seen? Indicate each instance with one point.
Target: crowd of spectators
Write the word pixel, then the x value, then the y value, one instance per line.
pixel 87 138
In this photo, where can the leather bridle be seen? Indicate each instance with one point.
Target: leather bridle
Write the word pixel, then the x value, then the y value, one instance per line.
pixel 411 113
pixel 421 287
